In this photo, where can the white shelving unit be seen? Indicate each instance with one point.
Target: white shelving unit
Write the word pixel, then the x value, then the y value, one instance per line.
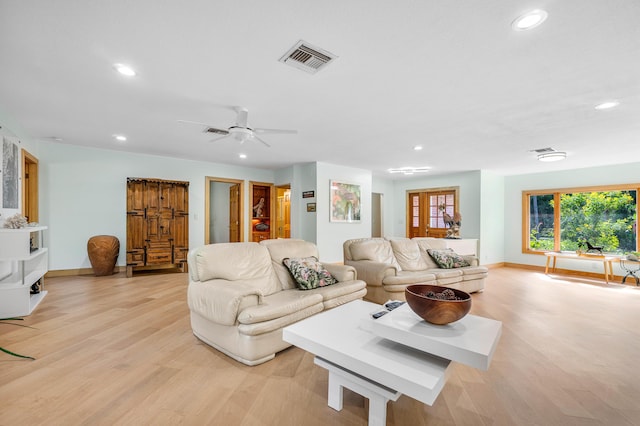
pixel 23 261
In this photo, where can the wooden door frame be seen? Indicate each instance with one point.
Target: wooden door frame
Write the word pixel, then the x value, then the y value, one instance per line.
pixel 277 208
pixel 30 204
pixel 456 201
pixel 207 203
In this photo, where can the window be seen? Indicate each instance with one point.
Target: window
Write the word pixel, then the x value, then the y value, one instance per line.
pixel 569 218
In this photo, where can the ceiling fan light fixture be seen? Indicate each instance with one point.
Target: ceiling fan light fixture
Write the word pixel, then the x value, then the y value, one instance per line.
pixel 552 156
pixel 529 20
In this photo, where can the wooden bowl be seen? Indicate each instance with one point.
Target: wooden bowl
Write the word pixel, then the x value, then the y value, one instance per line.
pixel 437 311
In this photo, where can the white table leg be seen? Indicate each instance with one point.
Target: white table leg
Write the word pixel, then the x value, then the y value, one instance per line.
pixel 377 410
pixel 378 395
pixel 335 392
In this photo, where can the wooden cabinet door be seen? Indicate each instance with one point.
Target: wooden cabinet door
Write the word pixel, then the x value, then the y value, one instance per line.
pixel 159 220
pixel 135 223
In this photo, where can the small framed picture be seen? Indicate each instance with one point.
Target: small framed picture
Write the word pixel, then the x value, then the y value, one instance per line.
pixel 308 194
pixel 311 207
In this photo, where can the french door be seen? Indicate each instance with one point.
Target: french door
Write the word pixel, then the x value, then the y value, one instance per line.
pixel 425 209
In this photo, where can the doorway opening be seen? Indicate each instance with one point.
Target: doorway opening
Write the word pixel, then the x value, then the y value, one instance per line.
pixel 283 211
pixel 223 210
pixel 377 228
pixel 426 208
pixel 29 186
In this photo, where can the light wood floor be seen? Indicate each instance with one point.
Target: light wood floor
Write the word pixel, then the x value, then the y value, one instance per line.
pixel 112 350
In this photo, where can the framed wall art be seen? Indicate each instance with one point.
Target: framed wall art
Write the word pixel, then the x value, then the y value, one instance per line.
pixel 345 202
pixel 10 175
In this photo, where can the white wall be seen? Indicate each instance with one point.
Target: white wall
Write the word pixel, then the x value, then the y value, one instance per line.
pixel 83 193
pixel 469 192
pixel 514 185
pixel 386 187
pixel 331 235
pixel 306 222
pixel 492 213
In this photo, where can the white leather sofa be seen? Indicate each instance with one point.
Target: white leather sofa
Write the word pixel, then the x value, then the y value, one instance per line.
pixel 241 295
pixel 389 265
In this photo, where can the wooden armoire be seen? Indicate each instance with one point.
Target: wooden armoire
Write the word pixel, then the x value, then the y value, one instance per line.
pixel 157 224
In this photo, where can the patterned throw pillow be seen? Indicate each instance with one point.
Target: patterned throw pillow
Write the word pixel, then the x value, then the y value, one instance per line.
pixel 308 272
pixel 447 259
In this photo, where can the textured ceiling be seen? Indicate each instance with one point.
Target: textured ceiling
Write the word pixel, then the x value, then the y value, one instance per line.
pixel 449 75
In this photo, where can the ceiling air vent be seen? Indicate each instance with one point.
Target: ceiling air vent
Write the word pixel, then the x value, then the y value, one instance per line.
pixel 542 150
pixel 307 58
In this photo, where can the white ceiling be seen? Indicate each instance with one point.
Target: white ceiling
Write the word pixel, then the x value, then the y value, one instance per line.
pixel 450 75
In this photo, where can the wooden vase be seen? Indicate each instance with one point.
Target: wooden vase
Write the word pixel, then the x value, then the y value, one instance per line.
pixel 103 253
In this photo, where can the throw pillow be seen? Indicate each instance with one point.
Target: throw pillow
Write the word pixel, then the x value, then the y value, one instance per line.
pixel 308 273
pixel 447 259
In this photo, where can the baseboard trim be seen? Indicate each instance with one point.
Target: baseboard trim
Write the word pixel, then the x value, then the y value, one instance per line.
pixel 78 272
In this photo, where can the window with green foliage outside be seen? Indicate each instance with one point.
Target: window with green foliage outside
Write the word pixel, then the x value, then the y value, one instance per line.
pixel 605 219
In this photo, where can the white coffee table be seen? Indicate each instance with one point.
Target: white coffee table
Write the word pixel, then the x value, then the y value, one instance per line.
pixel 378 368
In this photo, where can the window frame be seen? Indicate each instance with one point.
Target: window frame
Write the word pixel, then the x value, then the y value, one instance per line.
pixel 526 216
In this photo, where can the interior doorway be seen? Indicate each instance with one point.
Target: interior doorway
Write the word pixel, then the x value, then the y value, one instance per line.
pixel 377 228
pixel 223 210
pixel 283 211
pixel 29 186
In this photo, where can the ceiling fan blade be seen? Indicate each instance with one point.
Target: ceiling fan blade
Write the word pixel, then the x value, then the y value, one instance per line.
pixel 208 127
pixel 255 137
pixel 194 122
pixel 283 131
pixel 216 131
pixel 218 139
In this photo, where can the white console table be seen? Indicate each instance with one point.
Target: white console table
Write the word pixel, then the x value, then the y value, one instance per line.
pixel 463 246
pixel 23 262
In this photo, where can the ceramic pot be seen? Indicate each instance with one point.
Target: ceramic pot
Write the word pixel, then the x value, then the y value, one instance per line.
pixel 103 253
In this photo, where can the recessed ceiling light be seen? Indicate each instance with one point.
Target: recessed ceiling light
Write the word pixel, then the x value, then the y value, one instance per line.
pixel 529 20
pixel 242 155
pixel 417 148
pixel 552 156
pixel 124 70
pixel 120 138
pixel 607 105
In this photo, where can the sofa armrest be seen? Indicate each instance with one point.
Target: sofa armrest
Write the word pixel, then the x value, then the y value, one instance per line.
pixel 372 272
pixel 473 260
pixel 341 272
pixel 220 301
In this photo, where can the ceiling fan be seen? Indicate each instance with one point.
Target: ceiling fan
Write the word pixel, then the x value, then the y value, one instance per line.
pixel 240 131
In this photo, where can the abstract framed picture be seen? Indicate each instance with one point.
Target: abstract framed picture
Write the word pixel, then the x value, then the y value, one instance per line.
pixel 10 174
pixel 345 202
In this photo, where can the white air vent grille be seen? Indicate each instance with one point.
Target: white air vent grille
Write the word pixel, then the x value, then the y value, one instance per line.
pixel 307 58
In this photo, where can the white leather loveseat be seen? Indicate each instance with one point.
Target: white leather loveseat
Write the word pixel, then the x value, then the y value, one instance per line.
pixel 389 265
pixel 241 295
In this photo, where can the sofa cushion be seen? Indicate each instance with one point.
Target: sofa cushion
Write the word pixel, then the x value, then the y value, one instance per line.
pixel 235 262
pixel 282 248
pixel 308 272
pixel 281 304
pixel 424 245
pixel 408 254
pixel 375 249
pixel 447 259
